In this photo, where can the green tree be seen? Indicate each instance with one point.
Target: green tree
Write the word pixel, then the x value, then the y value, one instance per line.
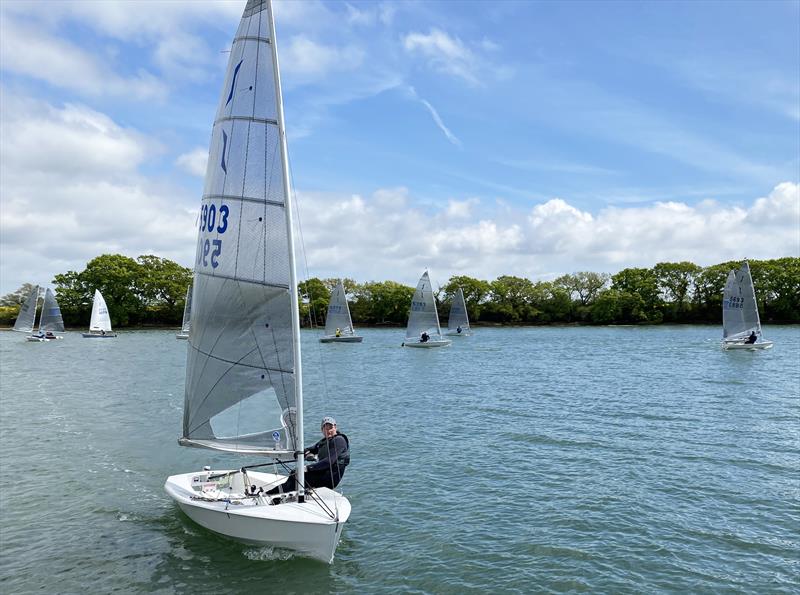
pixel 641 282
pixel 384 302
pixel 314 298
pixel 511 300
pixel 675 279
pixel 618 307
pixel 161 286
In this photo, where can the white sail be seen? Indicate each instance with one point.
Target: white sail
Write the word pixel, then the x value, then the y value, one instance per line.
pixel 741 326
pixel 423 316
pixel 338 317
pixel 187 312
pixel 51 320
pixel 458 321
pixel 26 318
pixel 739 308
pixel 100 321
pixel 243 358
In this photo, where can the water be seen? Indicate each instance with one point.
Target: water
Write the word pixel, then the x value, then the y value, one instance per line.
pixel 602 460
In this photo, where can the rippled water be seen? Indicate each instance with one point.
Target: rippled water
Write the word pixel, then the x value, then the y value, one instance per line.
pixel 615 460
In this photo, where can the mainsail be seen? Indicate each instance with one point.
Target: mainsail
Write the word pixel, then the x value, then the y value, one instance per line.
pixel 51 314
pixel 423 316
pixel 243 363
pixel 100 321
pixel 27 312
pixel 338 313
pixel 739 308
pixel 458 313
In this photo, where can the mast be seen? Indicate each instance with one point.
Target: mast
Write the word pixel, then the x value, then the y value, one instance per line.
pixel 753 292
pixel 298 368
pixel 41 315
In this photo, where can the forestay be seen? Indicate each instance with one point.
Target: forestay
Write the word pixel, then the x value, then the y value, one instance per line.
pixel 458 313
pixel 338 313
pixel 101 321
pixel 27 312
pixel 51 314
pixel 739 309
pixel 240 379
pixel 423 316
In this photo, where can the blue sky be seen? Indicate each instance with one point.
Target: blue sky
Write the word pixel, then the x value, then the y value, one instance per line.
pixel 477 138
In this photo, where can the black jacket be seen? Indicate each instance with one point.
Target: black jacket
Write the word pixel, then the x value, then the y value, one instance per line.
pixel 331 453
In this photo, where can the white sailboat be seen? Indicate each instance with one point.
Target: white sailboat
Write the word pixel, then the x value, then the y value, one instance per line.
pixel 338 324
pixel 186 326
pixel 458 321
pixel 51 321
pixel 741 326
pixel 423 328
pixel 100 323
pixel 244 375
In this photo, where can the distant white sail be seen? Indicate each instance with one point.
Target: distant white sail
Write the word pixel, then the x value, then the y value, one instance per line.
pixel 458 321
pixel 101 320
pixel 423 316
pixel 187 312
pixel 740 318
pixel 338 313
pixel 26 318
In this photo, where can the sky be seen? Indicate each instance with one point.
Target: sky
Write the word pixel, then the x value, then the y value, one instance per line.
pixel 468 138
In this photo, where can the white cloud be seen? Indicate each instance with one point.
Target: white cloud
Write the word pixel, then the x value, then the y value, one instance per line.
pixel 194 162
pixel 71 190
pixel 304 60
pixel 56 61
pixel 389 236
pixel 444 53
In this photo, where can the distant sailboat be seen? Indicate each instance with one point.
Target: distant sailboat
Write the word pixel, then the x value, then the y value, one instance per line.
pixel 50 321
pixel 187 315
pixel 458 321
pixel 244 388
pixel 338 324
pixel 26 318
pixel 100 324
pixel 741 326
pixel 423 328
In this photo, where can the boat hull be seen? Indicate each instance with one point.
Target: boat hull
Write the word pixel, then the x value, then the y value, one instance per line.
pixel 457 334
pixel 751 346
pixel 98 336
pixel 33 339
pixel 305 528
pixel 348 339
pixel 429 344
pixel 181 336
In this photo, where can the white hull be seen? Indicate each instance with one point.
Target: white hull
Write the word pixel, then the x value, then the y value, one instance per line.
pixel 442 343
pixel 457 334
pixel 306 528
pixel 752 346
pixel 35 339
pixel 182 336
pixel 98 335
pixel 347 339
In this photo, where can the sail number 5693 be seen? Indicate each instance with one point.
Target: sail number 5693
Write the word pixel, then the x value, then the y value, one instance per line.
pixel 212 219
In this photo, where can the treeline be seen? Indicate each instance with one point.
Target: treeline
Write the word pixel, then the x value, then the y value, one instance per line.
pixel 668 292
pixel 151 290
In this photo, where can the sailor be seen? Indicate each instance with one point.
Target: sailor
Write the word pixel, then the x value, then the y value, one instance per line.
pixel 458 330
pixel 332 455
pixel 338 332
pixel 752 338
pixel 423 338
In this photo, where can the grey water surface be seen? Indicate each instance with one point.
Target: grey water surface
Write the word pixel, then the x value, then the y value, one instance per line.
pixel 519 460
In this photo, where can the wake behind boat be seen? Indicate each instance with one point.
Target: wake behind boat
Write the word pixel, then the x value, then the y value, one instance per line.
pixel 244 390
pixel 741 325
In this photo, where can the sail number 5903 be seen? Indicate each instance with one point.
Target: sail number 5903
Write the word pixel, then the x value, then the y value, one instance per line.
pixel 212 219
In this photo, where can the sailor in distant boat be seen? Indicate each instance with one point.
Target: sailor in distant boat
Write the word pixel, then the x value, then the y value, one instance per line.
pixel 458 330
pixel 423 338
pixel 752 338
pixel 332 454
pixel 338 332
